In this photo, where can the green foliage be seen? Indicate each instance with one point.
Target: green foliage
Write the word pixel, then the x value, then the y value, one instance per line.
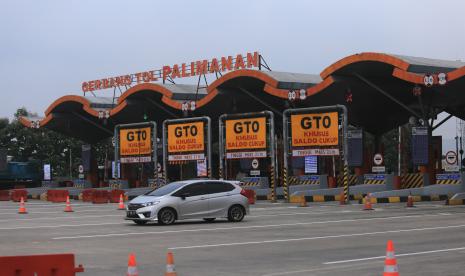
pixel 390 144
pixel 46 146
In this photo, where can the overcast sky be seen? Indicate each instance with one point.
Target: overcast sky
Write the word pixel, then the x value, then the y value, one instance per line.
pixel 48 48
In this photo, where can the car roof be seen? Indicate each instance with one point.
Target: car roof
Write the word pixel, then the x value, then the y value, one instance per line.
pixel 190 181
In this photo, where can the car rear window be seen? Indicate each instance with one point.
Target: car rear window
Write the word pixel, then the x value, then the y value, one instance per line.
pixel 219 187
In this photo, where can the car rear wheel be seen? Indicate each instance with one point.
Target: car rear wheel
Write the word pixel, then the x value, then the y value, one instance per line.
pixel 166 216
pixel 236 213
pixel 209 219
pixel 140 222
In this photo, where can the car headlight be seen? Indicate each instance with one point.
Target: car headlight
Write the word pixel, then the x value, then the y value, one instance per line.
pixel 150 203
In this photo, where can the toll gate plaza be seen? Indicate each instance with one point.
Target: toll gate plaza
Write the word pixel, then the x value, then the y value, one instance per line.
pixel 328 193
pixel 380 93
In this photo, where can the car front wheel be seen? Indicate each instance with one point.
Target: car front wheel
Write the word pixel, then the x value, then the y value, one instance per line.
pixel 236 213
pixel 166 216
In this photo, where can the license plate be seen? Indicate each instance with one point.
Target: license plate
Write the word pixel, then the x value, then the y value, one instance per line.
pixel 131 213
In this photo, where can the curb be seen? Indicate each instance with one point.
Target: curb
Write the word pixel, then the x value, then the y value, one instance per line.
pixel 455 202
pixel 397 199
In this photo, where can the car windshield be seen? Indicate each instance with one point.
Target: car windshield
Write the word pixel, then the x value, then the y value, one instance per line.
pixel 166 189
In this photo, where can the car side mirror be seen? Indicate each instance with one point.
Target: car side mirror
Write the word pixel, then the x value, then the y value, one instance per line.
pixel 184 195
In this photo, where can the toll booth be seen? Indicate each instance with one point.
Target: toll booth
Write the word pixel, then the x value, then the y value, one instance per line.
pixel 313 139
pixel 135 155
pixel 187 148
pixel 248 149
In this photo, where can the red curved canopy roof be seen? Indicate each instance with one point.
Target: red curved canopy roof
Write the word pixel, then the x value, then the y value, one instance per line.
pixel 397 71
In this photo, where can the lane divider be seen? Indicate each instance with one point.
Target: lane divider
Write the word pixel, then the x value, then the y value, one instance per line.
pixel 397 199
pixel 455 202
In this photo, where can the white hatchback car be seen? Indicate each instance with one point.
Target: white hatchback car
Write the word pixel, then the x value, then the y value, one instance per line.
pixel 190 199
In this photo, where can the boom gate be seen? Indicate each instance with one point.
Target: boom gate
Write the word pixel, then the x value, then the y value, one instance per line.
pixel 247 148
pixel 136 144
pixel 315 131
pixel 187 145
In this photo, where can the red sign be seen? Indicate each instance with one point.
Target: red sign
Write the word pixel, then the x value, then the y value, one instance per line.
pixel 183 70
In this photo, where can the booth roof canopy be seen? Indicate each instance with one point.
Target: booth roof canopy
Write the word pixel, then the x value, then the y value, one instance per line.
pixel 377 89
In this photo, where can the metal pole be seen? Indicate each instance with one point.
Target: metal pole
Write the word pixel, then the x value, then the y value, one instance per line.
pixel 209 149
pixel 155 149
pixel 461 153
pixel 222 166
pixel 457 148
pixel 286 153
pixel 345 147
pixel 70 164
pixel 116 137
pixel 399 153
pixel 165 153
pixel 272 156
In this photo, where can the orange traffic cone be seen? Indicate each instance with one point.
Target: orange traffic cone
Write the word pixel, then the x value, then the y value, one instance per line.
pixel 342 200
pixel 132 266
pixel 22 207
pixel 410 201
pixel 170 271
pixel 390 264
pixel 68 205
pixel 121 203
pixel 367 206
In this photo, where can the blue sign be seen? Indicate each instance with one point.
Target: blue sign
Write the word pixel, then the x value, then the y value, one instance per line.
pixel 309 177
pixel 311 164
pixel 374 176
pixel 448 176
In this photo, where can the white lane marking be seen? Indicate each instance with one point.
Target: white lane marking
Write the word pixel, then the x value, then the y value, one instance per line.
pixel 324 268
pixel 272 208
pixel 237 227
pixel 397 255
pixel 63 217
pixel 58 226
pixel 304 213
pixel 317 238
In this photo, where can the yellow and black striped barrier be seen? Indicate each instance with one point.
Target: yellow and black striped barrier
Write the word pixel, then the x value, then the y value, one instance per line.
pixel 295 180
pixel 397 199
pixel 340 180
pixel 273 185
pixel 285 185
pixel 374 179
pixel 250 184
pixel 455 202
pixel 452 178
pixel 321 198
pixel 412 180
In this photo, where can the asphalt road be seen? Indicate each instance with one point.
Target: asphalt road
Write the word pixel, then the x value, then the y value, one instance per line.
pixel 276 239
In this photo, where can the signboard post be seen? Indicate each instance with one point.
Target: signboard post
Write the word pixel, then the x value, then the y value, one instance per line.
pixel 135 143
pixel 188 139
pixel 315 131
pixel 248 136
